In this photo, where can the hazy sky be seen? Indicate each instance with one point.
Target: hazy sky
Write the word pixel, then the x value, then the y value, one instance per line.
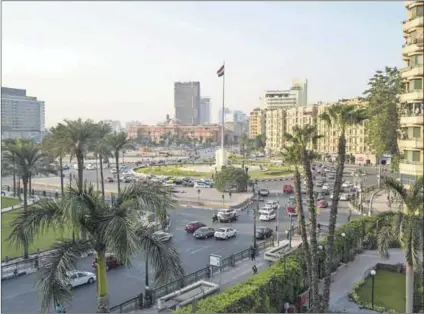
pixel 119 60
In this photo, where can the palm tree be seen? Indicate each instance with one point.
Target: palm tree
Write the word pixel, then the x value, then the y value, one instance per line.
pixel 304 138
pixel 339 117
pixel 405 227
pixel 118 142
pixel 102 149
pixel 29 160
pixel 80 134
pixel 115 227
pixel 9 161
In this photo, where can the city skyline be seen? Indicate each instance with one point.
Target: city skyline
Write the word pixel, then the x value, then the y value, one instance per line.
pixel 74 69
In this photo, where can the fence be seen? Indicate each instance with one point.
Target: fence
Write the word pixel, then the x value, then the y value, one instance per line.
pixel 138 303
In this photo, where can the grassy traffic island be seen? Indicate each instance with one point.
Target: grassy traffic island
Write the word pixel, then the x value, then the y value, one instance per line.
pixel 41 242
pixel 206 171
pixel 389 291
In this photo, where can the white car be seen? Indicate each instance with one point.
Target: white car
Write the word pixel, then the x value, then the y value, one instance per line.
pixel 78 278
pixel 346 184
pixel 269 216
pixel 344 197
pixel 272 204
pixel 165 236
pixel 225 233
pixel 325 187
pixel 90 167
pixel 227 215
pixel 200 185
pixel 113 170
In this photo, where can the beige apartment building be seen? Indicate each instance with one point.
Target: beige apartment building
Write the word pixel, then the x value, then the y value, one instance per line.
pixel 412 100
pixel 356 145
pixel 275 128
pixel 256 122
pixel 301 116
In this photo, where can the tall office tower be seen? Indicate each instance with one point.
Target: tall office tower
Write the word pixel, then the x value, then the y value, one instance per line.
pixel 187 102
pixel 296 96
pixel 412 100
pixel 205 111
pixel 22 116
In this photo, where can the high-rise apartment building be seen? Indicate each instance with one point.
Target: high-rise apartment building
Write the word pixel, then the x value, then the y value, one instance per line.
pixel 257 122
pixel 412 100
pixel 22 116
pixel 187 102
pixel 205 110
pixel 275 120
pixel 296 96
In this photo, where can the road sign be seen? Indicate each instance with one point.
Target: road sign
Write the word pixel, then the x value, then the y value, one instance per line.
pixel 215 260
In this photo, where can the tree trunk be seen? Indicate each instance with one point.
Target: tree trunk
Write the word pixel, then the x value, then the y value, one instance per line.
pixel 25 240
pixel 302 223
pixel 80 162
pixel 61 175
pixel 30 185
pixel 102 284
pixel 333 219
pixel 102 181
pixel 117 170
pixel 409 304
pixel 19 188
pixel 312 233
pixel 14 182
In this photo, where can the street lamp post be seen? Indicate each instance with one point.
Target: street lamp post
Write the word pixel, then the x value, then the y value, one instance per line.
pixel 372 288
pixel 256 199
pixel 343 246
pixel 277 224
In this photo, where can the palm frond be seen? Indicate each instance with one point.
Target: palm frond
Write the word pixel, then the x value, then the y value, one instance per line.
pixel 385 238
pixel 397 187
pixel 161 255
pixel 53 282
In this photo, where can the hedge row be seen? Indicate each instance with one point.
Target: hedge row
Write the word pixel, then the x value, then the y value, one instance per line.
pixel 267 291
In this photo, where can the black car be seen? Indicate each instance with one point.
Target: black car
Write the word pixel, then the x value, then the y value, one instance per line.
pixel 204 233
pixel 263 233
pixel 263 192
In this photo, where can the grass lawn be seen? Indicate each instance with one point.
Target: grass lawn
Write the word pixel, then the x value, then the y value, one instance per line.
pixel 41 243
pixel 9 201
pixel 389 290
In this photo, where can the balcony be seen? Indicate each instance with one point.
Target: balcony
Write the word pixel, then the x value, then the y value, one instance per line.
pixel 416 95
pixel 412 120
pixel 413 23
pixel 410 144
pixel 409 72
pixel 413 45
pixel 411 168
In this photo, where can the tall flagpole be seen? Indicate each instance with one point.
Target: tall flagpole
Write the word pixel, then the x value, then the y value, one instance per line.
pixel 223 109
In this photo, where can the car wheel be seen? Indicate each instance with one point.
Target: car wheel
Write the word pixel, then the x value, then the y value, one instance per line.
pixel 90 281
pixel 226 237
pixel 107 268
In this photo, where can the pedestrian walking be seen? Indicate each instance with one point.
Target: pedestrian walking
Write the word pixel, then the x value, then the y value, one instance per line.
pixel 252 253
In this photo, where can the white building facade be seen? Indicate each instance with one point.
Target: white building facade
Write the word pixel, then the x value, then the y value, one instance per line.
pixel 296 96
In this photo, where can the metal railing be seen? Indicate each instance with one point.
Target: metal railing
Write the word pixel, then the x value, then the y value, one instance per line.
pixel 138 302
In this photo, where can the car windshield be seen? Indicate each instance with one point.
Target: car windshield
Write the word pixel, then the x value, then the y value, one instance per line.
pixel 221 230
pixel 203 229
pixel 192 223
pixel 260 230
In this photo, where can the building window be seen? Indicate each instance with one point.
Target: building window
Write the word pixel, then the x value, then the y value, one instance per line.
pixel 416 60
pixel 415 84
pixel 417 11
pixel 416 132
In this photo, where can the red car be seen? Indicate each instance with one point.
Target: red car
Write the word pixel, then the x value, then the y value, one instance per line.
pixel 291 210
pixel 287 189
pixel 322 204
pixel 193 226
pixel 112 261
pixel 109 179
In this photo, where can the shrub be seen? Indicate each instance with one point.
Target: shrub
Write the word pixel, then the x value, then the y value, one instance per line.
pixel 231 177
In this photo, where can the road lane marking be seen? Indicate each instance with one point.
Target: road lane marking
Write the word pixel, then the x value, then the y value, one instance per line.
pixel 191 251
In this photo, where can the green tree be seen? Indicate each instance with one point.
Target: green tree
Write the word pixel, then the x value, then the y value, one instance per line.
pixel 114 228
pixel 339 117
pixel 29 160
pixel 118 142
pixel 260 142
pixel 230 177
pixel 406 227
pixel 383 124
pixel 304 139
pixel 102 149
pixel 9 163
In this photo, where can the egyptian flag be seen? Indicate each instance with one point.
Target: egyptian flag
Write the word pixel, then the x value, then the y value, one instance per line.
pixel 221 71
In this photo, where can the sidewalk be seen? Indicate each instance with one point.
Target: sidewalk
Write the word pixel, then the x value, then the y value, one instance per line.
pixel 347 276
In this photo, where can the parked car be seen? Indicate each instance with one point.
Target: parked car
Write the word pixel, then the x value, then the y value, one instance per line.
pixel 344 197
pixel 113 171
pixel 225 233
pixel 227 215
pixel 288 189
pixel 347 184
pixel 204 233
pixel 165 236
pixel 263 192
pixel 291 209
pixel 193 226
pixel 79 278
pixel 320 197
pixel 112 261
pixel 325 187
pixel 322 204
pixel 201 185
pixel 263 233
pixel 109 179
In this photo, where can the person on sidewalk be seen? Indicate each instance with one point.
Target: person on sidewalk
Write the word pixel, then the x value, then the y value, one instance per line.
pixel 252 253
pixel 254 269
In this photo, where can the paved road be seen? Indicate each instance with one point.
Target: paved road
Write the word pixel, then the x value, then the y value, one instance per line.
pixel 19 295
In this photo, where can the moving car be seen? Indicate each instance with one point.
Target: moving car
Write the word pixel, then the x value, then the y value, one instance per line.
pixel 201 185
pixel 113 171
pixel 90 167
pixel 227 215
pixel 320 197
pixel 271 204
pixel 79 278
pixel 344 197
pixel 112 261
pixel 109 179
pixel 267 216
pixel 322 204
pixel 263 233
pixel 225 233
pixel 204 233
pixel 193 226
pixel 263 192
pixel 291 209
pixel 164 236
pixel 325 187
pixel 347 184
pixel 288 189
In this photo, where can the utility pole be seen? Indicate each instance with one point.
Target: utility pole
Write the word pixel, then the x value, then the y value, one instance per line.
pixel 278 220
